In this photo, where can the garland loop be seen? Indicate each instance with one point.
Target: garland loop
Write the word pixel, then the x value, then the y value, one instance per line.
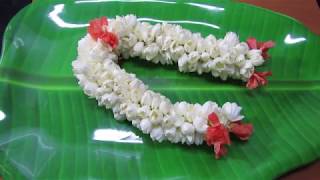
pixel 100 76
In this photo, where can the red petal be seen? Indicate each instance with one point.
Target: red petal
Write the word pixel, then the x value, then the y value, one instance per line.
pixel 258 79
pixel 220 150
pixel 261 76
pixel 95 28
pixel 252 83
pixel 104 21
pixel 217 134
pixel 252 43
pixel 110 38
pixel 213 118
pixel 266 45
pixel 263 46
pixel 242 131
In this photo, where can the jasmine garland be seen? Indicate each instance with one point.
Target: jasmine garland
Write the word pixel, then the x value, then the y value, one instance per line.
pixel 171 44
pixel 129 98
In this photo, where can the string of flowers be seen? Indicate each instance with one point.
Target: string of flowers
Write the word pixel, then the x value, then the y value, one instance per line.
pixel 171 44
pixel 101 77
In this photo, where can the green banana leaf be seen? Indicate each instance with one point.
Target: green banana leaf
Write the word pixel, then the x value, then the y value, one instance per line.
pixel 50 129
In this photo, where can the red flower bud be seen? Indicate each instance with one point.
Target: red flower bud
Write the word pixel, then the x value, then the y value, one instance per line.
pixel 242 131
pixel 263 46
pixel 110 38
pixel 217 135
pixel 220 150
pixel 213 119
pixel 258 79
pixel 96 29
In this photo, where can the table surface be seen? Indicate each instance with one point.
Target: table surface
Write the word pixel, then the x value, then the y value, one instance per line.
pixel 306 11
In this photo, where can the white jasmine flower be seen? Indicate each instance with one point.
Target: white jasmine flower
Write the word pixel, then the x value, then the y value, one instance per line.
pixel 79 66
pixel 155 103
pixel 117 26
pixel 155 117
pixel 165 58
pixel 231 39
pixel 240 60
pixel 164 107
pixel 130 41
pixel 98 52
pixel 116 113
pixel 118 116
pixel 241 48
pixel 157 134
pixel 130 21
pixel 143 111
pixel 177 52
pixel 138 48
pixel 209 107
pixel 182 62
pixel 200 124
pixel 194 57
pixel 187 129
pixel 151 51
pixel 177 120
pixel 223 47
pixel 210 39
pixel 205 56
pixel 90 88
pixel 170 132
pixel 178 137
pixel 255 57
pixel 218 65
pixel 142 31
pixel 109 100
pixel 167 41
pixel 189 46
pixel 201 45
pixel 160 40
pixel 189 139
pixel 145 126
pixel 198 139
pixel 247 69
pixel 132 112
pixel 146 98
pixel 181 107
pixel 156 30
pixel 232 111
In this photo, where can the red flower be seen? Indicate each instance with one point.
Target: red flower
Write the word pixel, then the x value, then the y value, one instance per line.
pixel 242 131
pixel 110 38
pixel 97 27
pixel 98 30
pixel 263 46
pixel 258 79
pixel 220 150
pixel 213 119
pixel 217 135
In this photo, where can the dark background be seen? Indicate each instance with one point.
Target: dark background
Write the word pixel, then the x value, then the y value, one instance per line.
pixel 8 8
pixel 306 11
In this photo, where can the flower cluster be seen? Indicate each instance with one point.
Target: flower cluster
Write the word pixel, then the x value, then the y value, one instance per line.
pixel 98 30
pixel 129 98
pixel 218 134
pixel 171 44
